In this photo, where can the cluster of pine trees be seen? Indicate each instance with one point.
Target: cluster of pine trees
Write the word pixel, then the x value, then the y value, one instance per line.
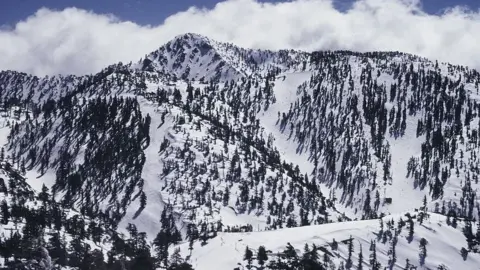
pixel 110 136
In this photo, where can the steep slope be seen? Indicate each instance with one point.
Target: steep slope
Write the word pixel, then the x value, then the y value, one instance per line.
pixel 341 115
pixel 233 168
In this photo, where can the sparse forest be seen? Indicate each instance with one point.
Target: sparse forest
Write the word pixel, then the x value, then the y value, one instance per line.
pixel 145 165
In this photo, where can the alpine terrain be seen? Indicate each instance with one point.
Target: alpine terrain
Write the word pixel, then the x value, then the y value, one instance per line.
pixel 205 155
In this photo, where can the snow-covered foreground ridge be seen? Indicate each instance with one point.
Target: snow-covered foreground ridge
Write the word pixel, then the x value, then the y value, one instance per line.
pixel 202 140
pixel 394 249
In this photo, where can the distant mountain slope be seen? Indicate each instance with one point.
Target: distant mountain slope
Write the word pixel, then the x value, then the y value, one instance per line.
pixel 16 86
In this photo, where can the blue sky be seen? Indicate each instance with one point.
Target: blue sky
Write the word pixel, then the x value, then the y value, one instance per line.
pixel 155 11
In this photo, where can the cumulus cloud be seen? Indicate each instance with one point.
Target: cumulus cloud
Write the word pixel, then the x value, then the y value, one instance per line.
pixel 79 42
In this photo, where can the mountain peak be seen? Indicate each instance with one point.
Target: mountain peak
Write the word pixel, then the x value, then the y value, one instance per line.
pixel 191 37
pixel 190 57
pixel 193 56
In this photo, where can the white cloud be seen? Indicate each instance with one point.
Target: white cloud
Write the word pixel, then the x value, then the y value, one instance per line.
pixel 77 41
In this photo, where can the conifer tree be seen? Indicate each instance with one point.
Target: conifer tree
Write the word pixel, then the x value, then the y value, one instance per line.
pixel 262 256
pixel 360 259
pixel 248 256
pixel 334 244
pixel 423 251
pixel 349 262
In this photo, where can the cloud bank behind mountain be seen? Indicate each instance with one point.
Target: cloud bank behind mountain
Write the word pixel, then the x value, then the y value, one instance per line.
pixel 81 42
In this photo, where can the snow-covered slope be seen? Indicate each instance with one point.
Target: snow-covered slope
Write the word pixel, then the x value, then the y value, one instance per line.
pixel 201 140
pixel 374 127
pixel 392 248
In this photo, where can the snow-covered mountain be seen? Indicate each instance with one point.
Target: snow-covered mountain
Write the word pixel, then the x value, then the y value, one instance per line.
pixel 202 140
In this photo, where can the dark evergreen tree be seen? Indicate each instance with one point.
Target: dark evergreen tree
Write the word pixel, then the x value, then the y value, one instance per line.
pixel 262 256
pixel 334 244
pixel 248 256
pixel 349 263
pixel 360 259
pixel 423 251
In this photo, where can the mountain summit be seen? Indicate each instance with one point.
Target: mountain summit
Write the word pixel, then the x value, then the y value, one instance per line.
pixel 195 57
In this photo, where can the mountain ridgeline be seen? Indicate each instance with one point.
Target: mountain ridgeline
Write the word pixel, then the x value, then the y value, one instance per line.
pixel 202 140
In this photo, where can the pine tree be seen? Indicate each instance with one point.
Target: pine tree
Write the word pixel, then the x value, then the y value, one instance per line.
pixel 423 251
pixel 454 219
pixel 464 253
pixel 380 232
pixel 306 260
pixel 360 259
pixel 291 256
pixel 334 244
pixel 161 244
pixel 262 256
pixel 349 262
pixel 373 256
pixel 5 212
pixel 366 206
pixel 143 200
pixel 314 258
pixel 477 234
pixel 467 231
pixel 423 213
pixel 392 253
pixel 410 229
pixel 44 196
pixel 248 257
pixel 226 196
